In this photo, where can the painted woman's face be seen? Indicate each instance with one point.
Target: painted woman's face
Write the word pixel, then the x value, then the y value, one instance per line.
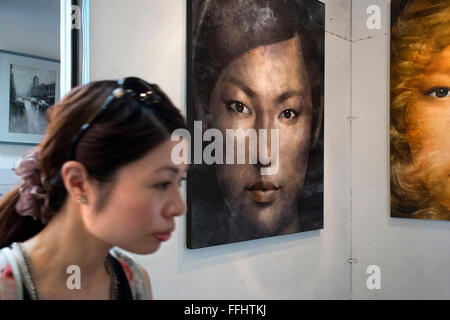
pixel 428 122
pixel 266 88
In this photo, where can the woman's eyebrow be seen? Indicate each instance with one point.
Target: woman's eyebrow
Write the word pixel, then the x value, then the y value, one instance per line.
pixel 172 169
pixel 289 94
pixel 437 76
pixel 248 91
pixel 168 168
pixel 434 79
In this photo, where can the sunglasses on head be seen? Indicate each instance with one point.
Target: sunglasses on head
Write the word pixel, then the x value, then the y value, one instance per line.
pixel 148 94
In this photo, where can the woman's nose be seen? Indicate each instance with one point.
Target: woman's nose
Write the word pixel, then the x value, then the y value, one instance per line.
pixel 176 206
pixel 263 120
pixel 263 126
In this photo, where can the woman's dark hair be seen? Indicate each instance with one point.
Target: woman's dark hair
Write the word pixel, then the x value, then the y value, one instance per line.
pixel 126 132
pixel 229 28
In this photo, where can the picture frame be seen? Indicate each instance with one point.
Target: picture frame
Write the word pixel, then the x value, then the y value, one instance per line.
pixel 418 122
pixel 231 202
pixel 28 86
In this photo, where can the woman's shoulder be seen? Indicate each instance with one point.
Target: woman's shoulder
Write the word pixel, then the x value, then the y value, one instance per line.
pixel 137 277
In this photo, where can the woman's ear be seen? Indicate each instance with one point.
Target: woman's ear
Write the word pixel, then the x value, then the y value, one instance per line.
pixel 75 178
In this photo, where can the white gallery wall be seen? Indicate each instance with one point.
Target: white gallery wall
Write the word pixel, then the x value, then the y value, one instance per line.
pixel 30 27
pixel 148 39
pixel 413 255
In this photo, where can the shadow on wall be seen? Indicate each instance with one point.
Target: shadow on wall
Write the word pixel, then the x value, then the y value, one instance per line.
pixel 204 258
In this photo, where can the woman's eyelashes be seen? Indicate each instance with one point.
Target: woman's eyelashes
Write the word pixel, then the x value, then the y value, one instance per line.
pixel 238 107
pixel 438 92
pixel 162 186
pixel 288 114
pixel 241 108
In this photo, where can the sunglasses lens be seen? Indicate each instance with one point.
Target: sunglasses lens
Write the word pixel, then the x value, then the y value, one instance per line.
pixel 143 91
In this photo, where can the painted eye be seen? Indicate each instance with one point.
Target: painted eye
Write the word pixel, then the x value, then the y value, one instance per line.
pixel 441 92
pixel 239 107
pixel 288 114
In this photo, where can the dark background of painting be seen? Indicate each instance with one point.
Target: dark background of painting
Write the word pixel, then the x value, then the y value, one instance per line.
pixel 206 217
pixel 396 7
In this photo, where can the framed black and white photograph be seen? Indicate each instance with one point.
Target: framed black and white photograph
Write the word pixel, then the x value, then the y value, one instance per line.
pixel 29 85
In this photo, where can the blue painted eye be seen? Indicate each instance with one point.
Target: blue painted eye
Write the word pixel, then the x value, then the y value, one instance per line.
pixel 441 92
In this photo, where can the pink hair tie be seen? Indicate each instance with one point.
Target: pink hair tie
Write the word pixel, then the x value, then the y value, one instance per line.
pixel 33 199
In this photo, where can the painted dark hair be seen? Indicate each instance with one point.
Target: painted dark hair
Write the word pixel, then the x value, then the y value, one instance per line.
pixel 125 133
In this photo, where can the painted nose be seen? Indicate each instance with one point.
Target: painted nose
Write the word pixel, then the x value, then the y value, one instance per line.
pixel 263 125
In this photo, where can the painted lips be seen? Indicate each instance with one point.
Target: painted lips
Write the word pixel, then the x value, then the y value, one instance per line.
pixel 264 191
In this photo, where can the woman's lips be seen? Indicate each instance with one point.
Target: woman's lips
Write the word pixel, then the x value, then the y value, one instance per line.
pixel 264 191
pixel 162 236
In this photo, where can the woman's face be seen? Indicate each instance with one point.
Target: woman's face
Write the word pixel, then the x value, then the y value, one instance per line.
pixel 428 121
pixel 141 208
pixel 266 88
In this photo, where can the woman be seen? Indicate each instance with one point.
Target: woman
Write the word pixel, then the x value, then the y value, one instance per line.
pixel 420 111
pixel 102 177
pixel 259 65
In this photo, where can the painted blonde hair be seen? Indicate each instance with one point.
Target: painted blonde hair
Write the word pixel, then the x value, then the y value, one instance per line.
pixel 421 31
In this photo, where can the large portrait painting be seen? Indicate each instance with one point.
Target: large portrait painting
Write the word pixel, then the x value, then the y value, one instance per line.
pixel 256 119
pixel 420 109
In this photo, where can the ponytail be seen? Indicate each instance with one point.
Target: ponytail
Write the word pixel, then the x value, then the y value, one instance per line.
pixel 14 227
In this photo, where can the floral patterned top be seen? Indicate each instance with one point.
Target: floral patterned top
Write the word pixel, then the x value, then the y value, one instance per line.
pixel 14 283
